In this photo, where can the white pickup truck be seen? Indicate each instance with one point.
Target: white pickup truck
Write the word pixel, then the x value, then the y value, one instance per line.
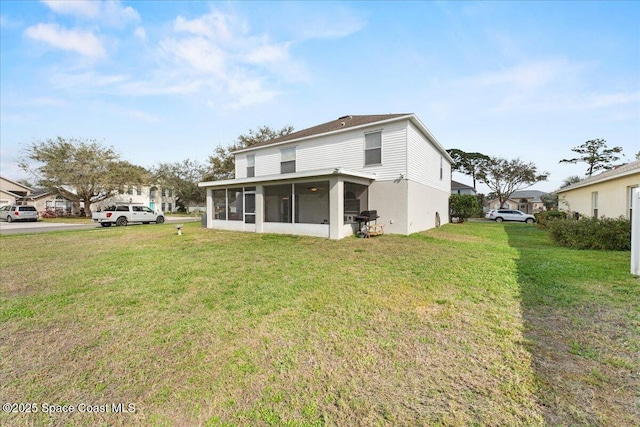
pixel 125 213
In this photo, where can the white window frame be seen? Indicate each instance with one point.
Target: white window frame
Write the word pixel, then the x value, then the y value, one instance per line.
pixel 594 204
pixel 251 165
pixel 369 148
pixel 287 158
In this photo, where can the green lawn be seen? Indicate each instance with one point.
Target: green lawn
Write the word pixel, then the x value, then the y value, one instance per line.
pixel 472 324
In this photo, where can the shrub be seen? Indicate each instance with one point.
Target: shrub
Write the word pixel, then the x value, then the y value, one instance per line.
pixel 463 206
pixel 543 218
pixel 590 233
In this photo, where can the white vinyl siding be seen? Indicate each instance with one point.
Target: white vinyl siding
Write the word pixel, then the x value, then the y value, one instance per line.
pixel 426 162
pixel 343 150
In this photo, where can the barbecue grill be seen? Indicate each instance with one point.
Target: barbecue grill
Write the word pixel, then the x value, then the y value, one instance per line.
pixel 364 228
pixel 367 216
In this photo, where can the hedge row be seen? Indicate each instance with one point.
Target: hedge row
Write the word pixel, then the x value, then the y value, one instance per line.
pixel 590 233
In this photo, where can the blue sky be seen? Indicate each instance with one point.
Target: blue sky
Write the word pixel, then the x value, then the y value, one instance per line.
pixel 165 81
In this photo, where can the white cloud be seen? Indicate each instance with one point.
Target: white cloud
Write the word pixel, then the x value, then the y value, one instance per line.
pixel 140 33
pixel 328 20
pixel 268 53
pixel 612 99
pixel 527 75
pixel 221 52
pixel 214 25
pixel 110 12
pixel 82 42
pixel 196 53
pixel 87 80
pixel 141 115
pixel 81 8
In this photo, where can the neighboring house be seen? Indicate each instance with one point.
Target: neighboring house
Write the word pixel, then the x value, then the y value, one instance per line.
pixel 46 201
pixel 12 192
pixel 605 195
pixel 527 201
pixel 153 196
pixel 459 188
pixel 316 181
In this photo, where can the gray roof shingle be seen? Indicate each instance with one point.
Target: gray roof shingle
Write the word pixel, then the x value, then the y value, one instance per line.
pixel 343 122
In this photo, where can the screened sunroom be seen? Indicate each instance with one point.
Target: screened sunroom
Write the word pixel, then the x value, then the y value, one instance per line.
pixel 318 203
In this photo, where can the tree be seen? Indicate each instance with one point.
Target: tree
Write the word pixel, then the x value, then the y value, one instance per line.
pixel 504 176
pixel 81 170
pixel 550 201
pixel 570 180
pixel 596 154
pixel 222 162
pixel 463 206
pixel 468 163
pixel 183 177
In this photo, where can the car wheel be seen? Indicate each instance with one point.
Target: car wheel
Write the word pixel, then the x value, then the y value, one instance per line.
pixel 9 219
pixel 499 219
pixel 122 221
pixel 529 221
pixel 105 224
pixel 160 220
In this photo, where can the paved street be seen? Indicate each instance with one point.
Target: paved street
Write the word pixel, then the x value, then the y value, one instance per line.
pixel 41 226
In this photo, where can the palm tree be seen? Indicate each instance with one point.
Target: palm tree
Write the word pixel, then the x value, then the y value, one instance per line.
pixel 570 180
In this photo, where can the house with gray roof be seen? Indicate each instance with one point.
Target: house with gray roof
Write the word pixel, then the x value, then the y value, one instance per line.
pixel 608 194
pixel 460 188
pixel 527 201
pixel 318 180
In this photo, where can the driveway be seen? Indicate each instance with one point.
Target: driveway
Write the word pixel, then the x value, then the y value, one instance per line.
pixel 41 226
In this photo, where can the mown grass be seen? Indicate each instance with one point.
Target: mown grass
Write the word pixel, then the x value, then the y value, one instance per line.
pixel 218 328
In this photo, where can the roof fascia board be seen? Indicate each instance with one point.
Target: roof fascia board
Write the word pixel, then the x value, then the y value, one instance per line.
pixel 289 176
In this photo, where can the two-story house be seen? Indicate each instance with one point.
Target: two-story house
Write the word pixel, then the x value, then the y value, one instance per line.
pixel 317 180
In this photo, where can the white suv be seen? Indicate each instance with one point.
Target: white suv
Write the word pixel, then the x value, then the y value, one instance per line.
pixel 19 213
pixel 499 215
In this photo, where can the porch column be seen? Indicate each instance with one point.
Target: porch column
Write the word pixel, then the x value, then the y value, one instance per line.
pixel 259 208
pixel 336 207
pixel 209 211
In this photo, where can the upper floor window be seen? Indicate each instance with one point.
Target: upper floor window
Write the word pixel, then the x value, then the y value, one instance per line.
pixel 441 169
pixel 288 160
pixel 251 165
pixel 164 192
pixel 373 148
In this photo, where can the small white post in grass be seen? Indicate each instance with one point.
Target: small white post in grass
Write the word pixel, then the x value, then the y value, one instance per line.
pixel 179 227
pixel 635 231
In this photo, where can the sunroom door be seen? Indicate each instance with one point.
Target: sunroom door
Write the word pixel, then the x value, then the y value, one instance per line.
pixel 249 208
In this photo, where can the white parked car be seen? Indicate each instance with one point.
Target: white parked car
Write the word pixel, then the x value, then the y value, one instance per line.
pixel 499 215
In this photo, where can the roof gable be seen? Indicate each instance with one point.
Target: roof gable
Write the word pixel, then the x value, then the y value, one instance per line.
pixel 2 178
